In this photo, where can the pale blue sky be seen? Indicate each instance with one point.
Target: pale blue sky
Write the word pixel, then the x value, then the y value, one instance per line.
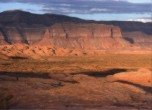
pixel 106 16
pixel 36 8
pixel 140 1
pixel 86 9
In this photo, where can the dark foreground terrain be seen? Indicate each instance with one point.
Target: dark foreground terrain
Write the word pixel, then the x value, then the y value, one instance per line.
pixel 111 81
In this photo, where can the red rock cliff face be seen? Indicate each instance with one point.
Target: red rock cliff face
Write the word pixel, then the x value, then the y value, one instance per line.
pixel 139 39
pixel 68 35
pixel 70 32
pixel 85 36
pixel 2 40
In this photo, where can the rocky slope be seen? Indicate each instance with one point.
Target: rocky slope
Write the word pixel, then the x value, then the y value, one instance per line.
pixel 83 36
pixel 136 33
pixel 67 35
pixel 58 31
pixel 139 39
pixel 61 31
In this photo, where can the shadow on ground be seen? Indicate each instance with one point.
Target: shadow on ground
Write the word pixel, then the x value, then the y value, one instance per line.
pixel 18 75
pixel 103 73
pixel 145 88
pixel 18 58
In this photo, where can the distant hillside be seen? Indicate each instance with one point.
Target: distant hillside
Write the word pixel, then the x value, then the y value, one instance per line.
pixel 25 27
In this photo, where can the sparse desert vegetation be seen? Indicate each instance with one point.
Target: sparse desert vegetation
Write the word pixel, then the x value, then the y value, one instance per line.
pixel 58 62
pixel 109 81
pixel 76 63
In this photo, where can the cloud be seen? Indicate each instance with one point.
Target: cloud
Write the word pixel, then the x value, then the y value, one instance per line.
pixel 143 19
pixel 88 6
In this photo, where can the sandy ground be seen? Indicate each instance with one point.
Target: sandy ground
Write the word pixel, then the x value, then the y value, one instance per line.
pixel 78 91
pixel 38 51
pixel 76 84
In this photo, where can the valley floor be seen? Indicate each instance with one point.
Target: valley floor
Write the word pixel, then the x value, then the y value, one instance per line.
pixel 109 81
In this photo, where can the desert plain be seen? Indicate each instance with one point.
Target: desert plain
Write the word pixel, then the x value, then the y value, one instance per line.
pixel 58 62
pixel 109 81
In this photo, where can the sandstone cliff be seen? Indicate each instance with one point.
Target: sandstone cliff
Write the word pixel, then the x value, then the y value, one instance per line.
pixel 68 32
pixel 139 39
pixel 67 35
pixel 83 36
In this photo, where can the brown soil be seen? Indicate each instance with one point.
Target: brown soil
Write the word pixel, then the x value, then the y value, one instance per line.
pixel 73 83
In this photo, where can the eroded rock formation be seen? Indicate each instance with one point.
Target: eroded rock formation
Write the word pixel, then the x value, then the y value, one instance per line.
pixel 61 33
pixel 68 35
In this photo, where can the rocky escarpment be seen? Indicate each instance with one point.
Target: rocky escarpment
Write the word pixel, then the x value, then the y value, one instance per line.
pixel 139 39
pixel 137 33
pixel 69 32
pixel 84 36
pixel 13 35
pixel 68 35
pixel 2 40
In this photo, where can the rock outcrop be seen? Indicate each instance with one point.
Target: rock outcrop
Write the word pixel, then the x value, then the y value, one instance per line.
pixel 2 40
pixel 83 36
pixel 67 35
pixel 141 77
pixel 139 39
pixel 59 31
pixel 61 36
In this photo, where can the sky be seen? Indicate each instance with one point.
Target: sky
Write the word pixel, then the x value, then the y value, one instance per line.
pixel 124 10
